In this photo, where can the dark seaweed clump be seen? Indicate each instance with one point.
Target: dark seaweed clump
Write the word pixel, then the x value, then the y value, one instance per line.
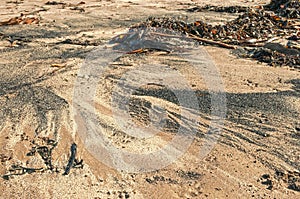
pixel 254 27
pixel 285 8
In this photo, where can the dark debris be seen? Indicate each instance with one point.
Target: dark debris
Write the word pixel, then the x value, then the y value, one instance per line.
pixel 255 24
pixel 189 175
pixel 285 8
pixel 271 57
pixel 45 152
pixel 289 177
pixel 228 9
pixel 156 179
pixel 80 42
pixel 73 162
pixel 20 170
pixel 253 28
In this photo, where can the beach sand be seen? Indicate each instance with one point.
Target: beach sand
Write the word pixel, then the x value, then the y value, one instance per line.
pixel 256 155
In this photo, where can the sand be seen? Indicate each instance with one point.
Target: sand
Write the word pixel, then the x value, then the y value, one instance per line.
pixel 45 72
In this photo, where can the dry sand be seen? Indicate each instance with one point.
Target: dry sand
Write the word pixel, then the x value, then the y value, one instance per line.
pixel 256 156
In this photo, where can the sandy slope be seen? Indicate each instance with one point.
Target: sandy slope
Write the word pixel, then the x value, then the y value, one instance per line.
pixel 256 156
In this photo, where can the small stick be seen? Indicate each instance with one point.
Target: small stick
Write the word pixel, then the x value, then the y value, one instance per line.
pixel 220 44
pixel 217 43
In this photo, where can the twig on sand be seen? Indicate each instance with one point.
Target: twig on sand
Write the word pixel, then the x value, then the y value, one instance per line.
pixel 207 41
pixel 211 42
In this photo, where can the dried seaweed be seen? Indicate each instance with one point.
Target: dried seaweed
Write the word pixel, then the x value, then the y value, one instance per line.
pixel 80 42
pixel 285 8
pixel 255 24
pixel 228 9
pixel 45 152
pixel 270 56
pixel 275 58
pixel 254 28
pixel 73 162
pixel 20 170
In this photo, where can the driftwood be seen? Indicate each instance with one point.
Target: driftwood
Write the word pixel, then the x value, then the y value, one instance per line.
pixel 211 42
pixel 207 41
